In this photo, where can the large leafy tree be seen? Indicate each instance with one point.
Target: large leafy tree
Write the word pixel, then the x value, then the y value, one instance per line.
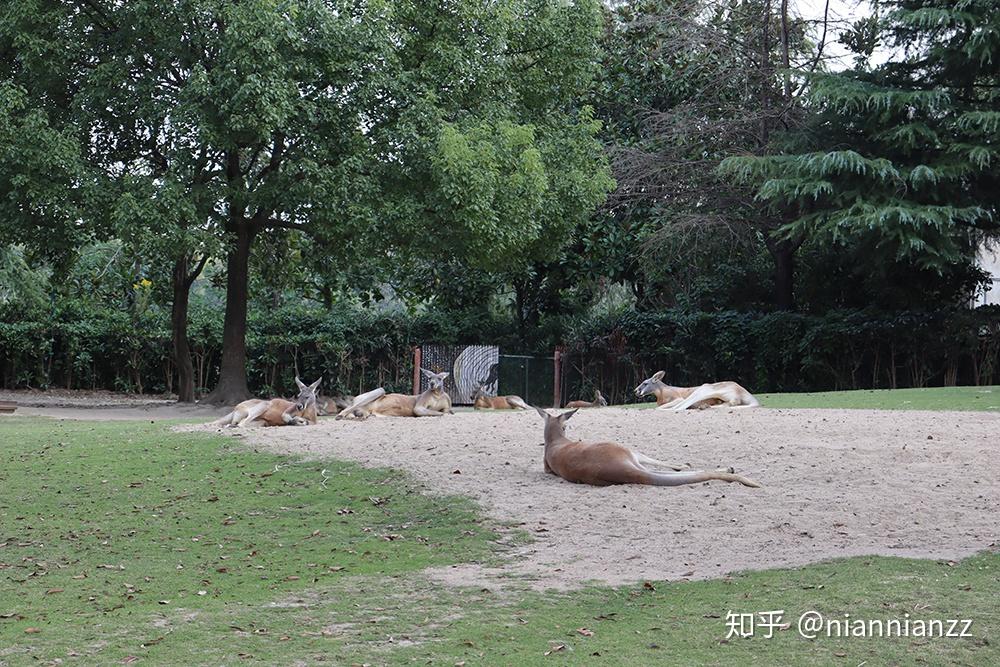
pixel 905 152
pixel 386 128
pixel 687 83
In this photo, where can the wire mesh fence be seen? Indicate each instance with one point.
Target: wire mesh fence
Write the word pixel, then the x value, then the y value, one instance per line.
pixel 529 376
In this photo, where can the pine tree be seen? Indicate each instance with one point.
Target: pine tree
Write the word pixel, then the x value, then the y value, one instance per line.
pixel 907 151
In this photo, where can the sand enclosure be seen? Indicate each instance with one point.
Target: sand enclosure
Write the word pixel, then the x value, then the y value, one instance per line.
pixel 835 483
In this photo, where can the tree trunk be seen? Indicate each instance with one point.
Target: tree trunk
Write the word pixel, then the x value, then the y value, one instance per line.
pixel 182 281
pixel 232 387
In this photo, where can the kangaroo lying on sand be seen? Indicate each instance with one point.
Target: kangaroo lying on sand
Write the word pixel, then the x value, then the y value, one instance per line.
pixel 332 404
pixel 598 402
pixel 480 401
pixel 277 411
pixel 604 463
pixel 432 403
pixel 726 394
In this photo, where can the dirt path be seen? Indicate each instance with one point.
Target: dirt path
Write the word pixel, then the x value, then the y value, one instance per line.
pixel 836 483
pixel 104 405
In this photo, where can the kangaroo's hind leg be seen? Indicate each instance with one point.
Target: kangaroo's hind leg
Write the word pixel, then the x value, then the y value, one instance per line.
pixel 517 402
pixel 361 401
pixel 254 412
pixel 650 461
pixel 702 393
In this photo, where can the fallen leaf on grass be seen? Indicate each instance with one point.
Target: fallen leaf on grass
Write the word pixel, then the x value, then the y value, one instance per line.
pixel 52 591
pixel 585 632
pixel 31 631
pixel 129 659
pixel 557 647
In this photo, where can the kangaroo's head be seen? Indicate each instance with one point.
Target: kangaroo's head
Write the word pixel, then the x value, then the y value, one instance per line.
pixel 435 380
pixel 307 393
pixel 555 425
pixel 650 385
pixel 480 392
pixel 599 399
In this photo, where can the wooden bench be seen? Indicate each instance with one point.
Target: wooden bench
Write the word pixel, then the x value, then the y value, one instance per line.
pixel 7 406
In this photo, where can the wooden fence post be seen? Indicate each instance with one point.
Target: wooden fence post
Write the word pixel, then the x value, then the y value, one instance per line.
pixel 416 369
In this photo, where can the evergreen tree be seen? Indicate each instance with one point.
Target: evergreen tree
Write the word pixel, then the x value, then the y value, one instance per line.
pixel 906 151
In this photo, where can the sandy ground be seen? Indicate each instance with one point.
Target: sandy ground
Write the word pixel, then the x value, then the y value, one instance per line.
pixel 836 483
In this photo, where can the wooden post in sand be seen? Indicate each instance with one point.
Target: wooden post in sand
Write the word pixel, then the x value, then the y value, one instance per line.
pixel 416 369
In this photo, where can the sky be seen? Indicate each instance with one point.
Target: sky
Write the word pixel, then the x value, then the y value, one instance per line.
pixel 842 13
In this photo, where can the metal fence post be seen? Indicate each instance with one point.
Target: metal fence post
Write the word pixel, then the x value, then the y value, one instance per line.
pixel 557 377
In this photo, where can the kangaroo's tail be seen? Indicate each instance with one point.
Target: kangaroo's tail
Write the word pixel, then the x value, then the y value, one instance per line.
pixel 658 478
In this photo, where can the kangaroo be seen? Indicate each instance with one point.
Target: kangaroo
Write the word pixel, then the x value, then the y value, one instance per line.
pixel 327 406
pixel 480 401
pixel 598 402
pixel 277 411
pixel 605 463
pixel 434 402
pixel 708 395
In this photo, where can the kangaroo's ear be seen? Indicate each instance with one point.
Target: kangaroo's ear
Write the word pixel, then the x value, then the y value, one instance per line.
pixel 315 385
pixel 658 375
pixel 301 384
pixel 566 415
pixel 426 372
pixel 443 376
pixel 545 415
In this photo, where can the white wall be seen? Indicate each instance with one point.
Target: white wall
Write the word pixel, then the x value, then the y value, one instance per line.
pixel 989 259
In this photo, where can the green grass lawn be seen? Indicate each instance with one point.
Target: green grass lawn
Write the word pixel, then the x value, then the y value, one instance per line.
pixel 125 542
pixel 931 398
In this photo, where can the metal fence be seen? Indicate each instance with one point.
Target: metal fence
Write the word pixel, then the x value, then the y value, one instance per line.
pixel 530 377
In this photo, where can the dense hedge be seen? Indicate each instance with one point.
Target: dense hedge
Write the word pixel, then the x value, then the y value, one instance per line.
pixel 356 349
pixel 353 348
pixel 782 351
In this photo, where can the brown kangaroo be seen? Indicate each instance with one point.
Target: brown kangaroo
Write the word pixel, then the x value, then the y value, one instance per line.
pixel 709 395
pixel 604 463
pixel 434 402
pixel 598 402
pixel 332 404
pixel 480 401
pixel 277 411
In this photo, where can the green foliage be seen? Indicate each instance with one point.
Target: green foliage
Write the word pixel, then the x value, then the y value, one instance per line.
pixel 78 345
pixel 916 141
pixel 781 351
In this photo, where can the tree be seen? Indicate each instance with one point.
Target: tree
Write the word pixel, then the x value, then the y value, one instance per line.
pixel 907 151
pixel 392 128
pixel 686 84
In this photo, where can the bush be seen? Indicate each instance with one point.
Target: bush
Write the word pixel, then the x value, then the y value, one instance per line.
pixel 355 349
pixel 782 351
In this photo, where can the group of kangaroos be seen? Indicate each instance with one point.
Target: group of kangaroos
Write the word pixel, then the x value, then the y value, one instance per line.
pixel 594 463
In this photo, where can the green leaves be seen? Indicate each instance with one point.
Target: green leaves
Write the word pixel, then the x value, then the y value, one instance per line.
pixel 915 142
